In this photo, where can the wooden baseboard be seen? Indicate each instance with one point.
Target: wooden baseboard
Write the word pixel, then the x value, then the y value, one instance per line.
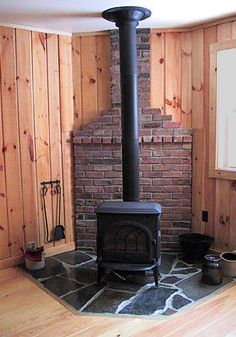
pixel 67 247
pixel 14 261
pixel 11 262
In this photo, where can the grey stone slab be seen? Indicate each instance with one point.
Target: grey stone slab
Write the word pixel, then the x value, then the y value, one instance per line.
pixel 108 301
pixel 73 258
pixel 90 264
pixel 167 261
pixel 195 289
pixel 185 271
pixel 138 279
pixel 81 275
pixel 179 301
pixel 126 286
pixel 171 279
pixel 79 298
pixel 60 286
pixel 61 278
pixel 92 253
pixel 149 301
pixel 181 265
pixel 52 268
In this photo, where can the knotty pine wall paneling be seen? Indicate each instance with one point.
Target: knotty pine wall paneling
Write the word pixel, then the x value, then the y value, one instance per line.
pixel 217 196
pixel 42 140
pixel 91 76
pixel 171 74
pixel 68 122
pixel 36 121
pixel 197 125
pixel 187 83
pixel 27 133
pixel 11 141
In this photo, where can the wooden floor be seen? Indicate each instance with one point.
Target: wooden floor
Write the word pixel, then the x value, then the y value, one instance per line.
pixel 27 310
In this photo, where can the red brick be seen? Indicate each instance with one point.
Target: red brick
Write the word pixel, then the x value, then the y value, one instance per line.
pixel 94 174
pixel 167 139
pixel 87 140
pixel 171 124
pixel 187 139
pixel 157 139
pixel 172 174
pixel 177 139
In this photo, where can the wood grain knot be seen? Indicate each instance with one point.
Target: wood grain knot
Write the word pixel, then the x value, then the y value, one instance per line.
pixel 92 81
pixel 224 221
pixel 233 186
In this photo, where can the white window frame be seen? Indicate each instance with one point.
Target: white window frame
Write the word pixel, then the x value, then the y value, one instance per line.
pixel 222 114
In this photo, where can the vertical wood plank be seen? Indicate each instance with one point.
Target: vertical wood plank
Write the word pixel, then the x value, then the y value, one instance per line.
pixel 234 30
pixel 212 112
pixel 68 185
pixel 103 72
pixel 173 75
pixel 66 92
pixel 39 50
pixel 77 78
pixel 224 32
pixel 210 36
pixel 66 83
pixel 197 77
pixel 89 77
pixel 223 195
pixel 54 123
pixel 222 213
pixel 232 214
pixel 186 79
pixel 11 139
pixel 157 59
pixel 4 227
pixel 26 125
pixel 197 124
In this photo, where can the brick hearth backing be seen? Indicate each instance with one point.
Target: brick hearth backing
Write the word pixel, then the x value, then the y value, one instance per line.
pixel 165 158
pixel 165 172
pixel 143 58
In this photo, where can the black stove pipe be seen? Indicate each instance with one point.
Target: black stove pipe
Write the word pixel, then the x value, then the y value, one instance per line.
pixel 126 19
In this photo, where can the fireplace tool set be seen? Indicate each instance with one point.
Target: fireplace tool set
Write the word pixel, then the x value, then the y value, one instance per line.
pixel 58 231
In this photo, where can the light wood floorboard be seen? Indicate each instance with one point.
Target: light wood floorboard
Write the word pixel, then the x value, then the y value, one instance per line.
pixel 27 310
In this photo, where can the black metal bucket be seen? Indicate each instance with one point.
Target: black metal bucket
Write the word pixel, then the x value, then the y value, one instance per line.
pixel 195 246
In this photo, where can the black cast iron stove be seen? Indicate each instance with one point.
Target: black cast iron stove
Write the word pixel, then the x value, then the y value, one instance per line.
pixel 128 231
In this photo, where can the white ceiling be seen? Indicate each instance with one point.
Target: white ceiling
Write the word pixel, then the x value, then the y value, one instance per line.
pixel 85 16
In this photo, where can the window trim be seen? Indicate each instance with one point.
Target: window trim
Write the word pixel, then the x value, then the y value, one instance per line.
pixel 213 171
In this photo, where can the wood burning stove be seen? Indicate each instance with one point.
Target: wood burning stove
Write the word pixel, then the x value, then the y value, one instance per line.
pixel 128 237
pixel 128 232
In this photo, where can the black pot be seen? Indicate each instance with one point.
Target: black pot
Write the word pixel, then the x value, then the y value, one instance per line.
pixel 195 246
pixel 212 270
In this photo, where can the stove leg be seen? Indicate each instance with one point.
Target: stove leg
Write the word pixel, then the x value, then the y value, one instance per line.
pixel 100 273
pixel 155 274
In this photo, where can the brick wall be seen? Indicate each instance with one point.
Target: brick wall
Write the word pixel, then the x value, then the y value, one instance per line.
pixel 165 159
pixel 165 172
pixel 143 57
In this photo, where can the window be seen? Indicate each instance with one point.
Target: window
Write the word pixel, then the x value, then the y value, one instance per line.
pixel 222 135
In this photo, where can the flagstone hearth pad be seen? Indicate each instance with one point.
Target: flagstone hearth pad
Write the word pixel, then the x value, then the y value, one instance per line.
pixel 71 277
